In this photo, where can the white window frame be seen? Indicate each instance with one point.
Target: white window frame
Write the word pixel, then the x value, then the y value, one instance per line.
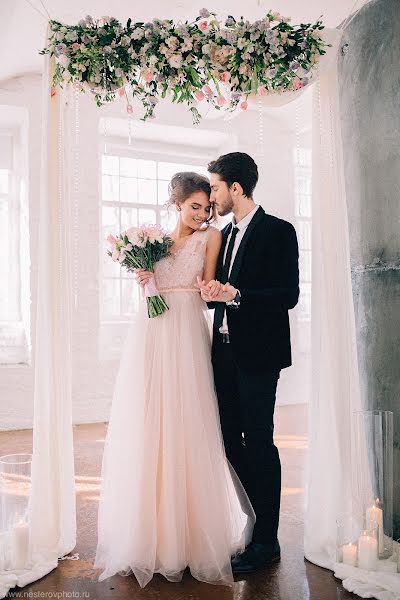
pixel 115 149
pixel 14 329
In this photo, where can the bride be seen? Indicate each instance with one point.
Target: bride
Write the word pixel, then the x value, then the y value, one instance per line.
pixel 169 498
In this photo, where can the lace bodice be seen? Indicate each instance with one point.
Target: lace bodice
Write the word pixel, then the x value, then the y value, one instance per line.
pixel 180 270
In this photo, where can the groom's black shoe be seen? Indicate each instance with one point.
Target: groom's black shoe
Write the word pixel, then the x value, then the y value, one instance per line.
pixel 256 556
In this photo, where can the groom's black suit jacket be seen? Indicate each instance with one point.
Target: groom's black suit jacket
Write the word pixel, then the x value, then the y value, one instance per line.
pixel 265 270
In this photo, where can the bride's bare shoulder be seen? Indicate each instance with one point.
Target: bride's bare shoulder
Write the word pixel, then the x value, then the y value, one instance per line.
pixel 213 233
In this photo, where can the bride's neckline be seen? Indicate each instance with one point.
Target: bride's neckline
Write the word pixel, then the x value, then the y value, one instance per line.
pixel 189 237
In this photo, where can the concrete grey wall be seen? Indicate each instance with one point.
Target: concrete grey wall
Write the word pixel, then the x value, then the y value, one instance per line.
pixel 369 79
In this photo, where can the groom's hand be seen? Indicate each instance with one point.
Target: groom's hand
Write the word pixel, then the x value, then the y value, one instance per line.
pixel 214 291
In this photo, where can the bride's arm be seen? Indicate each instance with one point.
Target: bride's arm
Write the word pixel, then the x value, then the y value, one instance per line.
pixel 214 242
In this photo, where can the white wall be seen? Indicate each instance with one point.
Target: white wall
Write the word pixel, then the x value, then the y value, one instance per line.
pixel 93 377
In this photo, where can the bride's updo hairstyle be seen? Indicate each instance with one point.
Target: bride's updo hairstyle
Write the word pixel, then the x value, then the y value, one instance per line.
pixel 186 183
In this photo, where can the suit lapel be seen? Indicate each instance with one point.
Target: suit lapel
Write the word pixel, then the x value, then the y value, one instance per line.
pixel 259 214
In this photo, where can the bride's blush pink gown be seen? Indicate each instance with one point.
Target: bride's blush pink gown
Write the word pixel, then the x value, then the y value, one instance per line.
pixel 169 498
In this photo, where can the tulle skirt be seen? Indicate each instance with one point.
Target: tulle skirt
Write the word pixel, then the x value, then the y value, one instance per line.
pixel 169 498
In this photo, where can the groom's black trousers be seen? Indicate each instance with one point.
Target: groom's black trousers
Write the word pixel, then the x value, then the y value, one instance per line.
pixel 246 406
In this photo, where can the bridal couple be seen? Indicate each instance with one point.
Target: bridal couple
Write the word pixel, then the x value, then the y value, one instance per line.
pixel 191 477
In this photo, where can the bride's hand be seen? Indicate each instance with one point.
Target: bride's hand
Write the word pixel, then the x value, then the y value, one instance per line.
pixel 142 276
pixel 214 288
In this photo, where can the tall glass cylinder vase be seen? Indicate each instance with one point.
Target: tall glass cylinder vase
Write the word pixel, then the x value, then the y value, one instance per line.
pixel 15 486
pixel 374 474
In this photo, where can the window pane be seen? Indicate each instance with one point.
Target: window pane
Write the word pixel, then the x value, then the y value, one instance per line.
pixel 304 233
pixel 147 216
pixel 110 268
pixel 128 167
pixel 146 169
pixel 303 208
pixel 3 181
pixel 111 297
pixel 305 265
pixel 128 189
pixel 130 296
pixel 129 218
pixel 168 219
pixel 163 194
pixel 304 184
pixel 4 262
pixel 110 188
pixel 109 165
pixel 167 169
pixel 304 307
pixel 147 191
pixel 110 217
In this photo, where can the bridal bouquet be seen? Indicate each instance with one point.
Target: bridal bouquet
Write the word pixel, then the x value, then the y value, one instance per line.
pixel 140 248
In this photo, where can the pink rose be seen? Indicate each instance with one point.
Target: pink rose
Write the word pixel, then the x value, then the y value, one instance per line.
pixel 224 77
pixel 76 46
pixel 203 25
pixel 121 92
pixel 297 84
pixel 207 90
pixel 199 95
pixel 221 100
pixel 244 105
pixel 262 91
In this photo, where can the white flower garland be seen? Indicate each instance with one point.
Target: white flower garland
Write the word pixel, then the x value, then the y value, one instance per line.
pixel 189 61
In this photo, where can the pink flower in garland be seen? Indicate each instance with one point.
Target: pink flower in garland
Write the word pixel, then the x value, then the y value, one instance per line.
pixel 200 95
pixel 221 100
pixel 224 77
pixel 203 25
pixel 207 90
pixel 244 105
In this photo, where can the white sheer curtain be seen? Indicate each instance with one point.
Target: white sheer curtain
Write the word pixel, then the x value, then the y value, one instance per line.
pixel 52 521
pixel 335 382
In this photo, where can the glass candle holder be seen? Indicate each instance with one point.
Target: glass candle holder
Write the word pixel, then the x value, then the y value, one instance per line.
pixel 15 485
pixel 368 548
pixel 348 530
pixel 373 446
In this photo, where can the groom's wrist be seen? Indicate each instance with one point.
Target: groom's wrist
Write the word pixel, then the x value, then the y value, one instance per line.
pixel 235 302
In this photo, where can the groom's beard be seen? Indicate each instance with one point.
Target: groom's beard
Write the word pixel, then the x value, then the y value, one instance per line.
pixel 225 207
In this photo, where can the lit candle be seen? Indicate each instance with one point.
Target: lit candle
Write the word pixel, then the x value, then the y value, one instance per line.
pixel 350 554
pixel 375 516
pixel 367 552
pixel 20 545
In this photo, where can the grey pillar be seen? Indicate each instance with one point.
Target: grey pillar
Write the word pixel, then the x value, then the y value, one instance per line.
pixel 369 80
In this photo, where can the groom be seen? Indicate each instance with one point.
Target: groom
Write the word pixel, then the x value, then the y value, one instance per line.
pixel 257 282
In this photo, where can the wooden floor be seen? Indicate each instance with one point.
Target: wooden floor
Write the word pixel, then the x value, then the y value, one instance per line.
pixel 291 579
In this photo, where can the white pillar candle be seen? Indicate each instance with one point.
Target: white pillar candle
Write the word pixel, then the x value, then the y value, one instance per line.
pixel 350 554
pixel 367 552
pixel 375 517
pixel 20 545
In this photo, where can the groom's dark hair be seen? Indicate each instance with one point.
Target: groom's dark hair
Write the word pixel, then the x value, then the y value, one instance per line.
pixel 236 166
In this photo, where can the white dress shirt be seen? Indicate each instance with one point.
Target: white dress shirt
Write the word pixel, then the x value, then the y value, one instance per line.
pixel 242 226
